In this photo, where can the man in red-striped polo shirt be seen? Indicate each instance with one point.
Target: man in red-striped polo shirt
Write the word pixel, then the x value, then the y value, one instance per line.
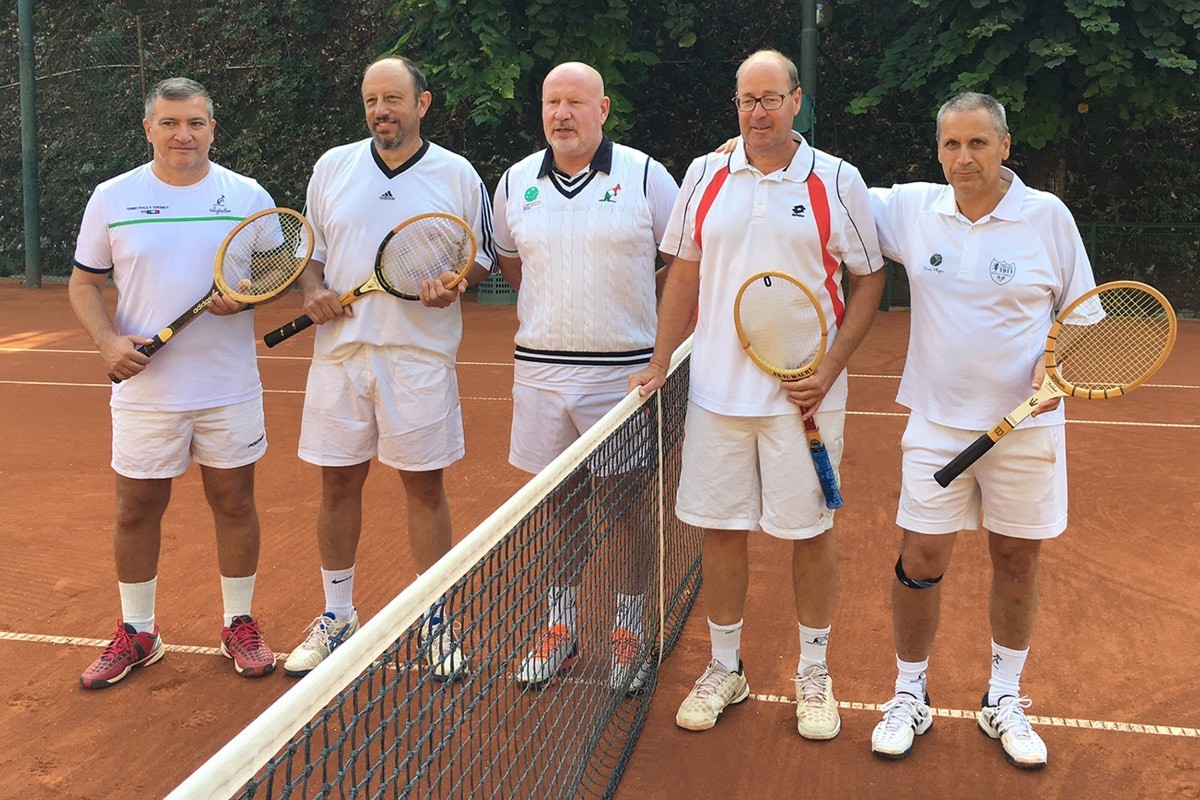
pixel 773 203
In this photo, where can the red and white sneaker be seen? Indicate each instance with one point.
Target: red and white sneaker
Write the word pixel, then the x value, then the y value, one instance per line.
pixel 128 649
pixel 243 642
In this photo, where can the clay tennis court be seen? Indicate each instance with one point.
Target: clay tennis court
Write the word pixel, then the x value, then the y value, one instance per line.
pixel 1112 671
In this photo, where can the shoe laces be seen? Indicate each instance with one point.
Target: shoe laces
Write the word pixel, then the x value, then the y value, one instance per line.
pixel 811 683
pixel 553 639
pixel 711 681
pixel 1010 714
pixel 121 643
pixel 318 632
pixel 246 634
pixel 625 646
pixel 900 711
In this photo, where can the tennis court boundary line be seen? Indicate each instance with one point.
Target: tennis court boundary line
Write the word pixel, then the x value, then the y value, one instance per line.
pixel 947 713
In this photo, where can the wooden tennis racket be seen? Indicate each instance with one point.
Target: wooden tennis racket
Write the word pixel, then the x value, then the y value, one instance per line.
pixel 416 250
pixel 1106 343
pixel 782 328
pixel 260 258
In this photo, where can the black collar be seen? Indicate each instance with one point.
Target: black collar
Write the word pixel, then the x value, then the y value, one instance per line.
pixel 601 161
pixel 391 173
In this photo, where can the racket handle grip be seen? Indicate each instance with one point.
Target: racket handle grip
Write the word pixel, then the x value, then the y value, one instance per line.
pixel 287 331
pixel 960 462
pixel 827 477
pixel 144 349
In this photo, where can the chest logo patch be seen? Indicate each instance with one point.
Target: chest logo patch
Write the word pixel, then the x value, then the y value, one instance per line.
pixel 219 206
pixel 611 195
pixel 1001 271
pixel 531 194
pixel 798 211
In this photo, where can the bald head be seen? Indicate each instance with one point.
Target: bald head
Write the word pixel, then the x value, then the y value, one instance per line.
pixel 574 110
pixel 395 100
pixel 773 58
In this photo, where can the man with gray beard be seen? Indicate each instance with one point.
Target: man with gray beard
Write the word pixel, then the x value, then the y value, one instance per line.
pixel 382 381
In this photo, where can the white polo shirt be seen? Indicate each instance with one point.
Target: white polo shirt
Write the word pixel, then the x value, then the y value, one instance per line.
pixel 159 242
pixel 588 245
pixel 354 200
pixel 984 295
pixel 809 219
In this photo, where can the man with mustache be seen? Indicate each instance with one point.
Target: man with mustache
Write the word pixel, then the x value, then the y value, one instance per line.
pixel 990 263
pixel 577 232
pixel 382 381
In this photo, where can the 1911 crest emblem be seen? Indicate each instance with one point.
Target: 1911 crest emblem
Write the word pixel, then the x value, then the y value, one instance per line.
pixel 1001 271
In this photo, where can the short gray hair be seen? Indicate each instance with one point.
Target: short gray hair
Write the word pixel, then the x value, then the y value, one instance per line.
pixel 774 55
pixel 177 89
pixel 973 101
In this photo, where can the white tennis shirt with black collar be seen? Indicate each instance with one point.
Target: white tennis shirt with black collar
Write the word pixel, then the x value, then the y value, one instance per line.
pixel 587 243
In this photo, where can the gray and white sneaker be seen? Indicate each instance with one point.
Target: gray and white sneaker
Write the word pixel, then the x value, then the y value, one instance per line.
pixel 904 719
pixel 1006 721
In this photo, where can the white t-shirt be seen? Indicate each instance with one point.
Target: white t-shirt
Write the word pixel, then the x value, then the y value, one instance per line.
pixel 354 200
pixel 984 295
pixel 588 245
pixel 809 219
pixel 160 242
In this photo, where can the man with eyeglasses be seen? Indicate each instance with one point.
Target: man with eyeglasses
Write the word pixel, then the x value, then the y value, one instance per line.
pixel 773 202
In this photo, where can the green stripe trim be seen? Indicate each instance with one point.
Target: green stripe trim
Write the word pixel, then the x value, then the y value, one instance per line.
pixel 174 219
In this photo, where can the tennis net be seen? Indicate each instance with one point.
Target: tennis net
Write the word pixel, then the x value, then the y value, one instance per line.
pixel 374 720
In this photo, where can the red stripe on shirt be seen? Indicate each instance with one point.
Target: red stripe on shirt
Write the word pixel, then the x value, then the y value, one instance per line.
pixel 706 200
pixel 820 206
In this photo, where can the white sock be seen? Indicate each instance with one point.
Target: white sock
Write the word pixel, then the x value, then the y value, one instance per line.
pixel 137 604
pixel 1006 672
pixel 236 593
pixel 630 610
pixel 339 592
pixel 563 602
pixel 813 642
pixel 910 677
pixel 727 644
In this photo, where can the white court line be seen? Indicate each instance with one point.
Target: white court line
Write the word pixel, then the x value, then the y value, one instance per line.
pixel 480 364
pixel 951 713
pixel 1056 722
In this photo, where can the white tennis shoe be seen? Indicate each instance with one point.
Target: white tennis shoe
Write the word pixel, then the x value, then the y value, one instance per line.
pixel 1006 721
pixel 904 719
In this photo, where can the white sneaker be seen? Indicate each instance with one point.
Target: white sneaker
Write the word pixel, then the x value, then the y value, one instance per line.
pixel 816 710
pixel 716 690
pixel 556 651
pixel 1006 721
pixel 631 667
pixel 439 642
pixel 325 635
pixel 904 719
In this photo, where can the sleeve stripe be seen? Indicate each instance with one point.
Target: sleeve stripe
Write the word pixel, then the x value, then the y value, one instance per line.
pixel 92 270
pixel 838 184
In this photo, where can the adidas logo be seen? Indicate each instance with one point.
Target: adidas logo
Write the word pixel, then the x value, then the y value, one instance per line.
pixel 387 195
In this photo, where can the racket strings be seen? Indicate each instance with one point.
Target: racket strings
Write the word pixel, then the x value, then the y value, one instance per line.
pixel 1116 339
pixel 264 256
pixel 781 324
pixel 424 249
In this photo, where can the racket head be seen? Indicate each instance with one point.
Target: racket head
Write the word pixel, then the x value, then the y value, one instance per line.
pixel 421 248
pixel 780 324
pixel 1110 340
pixel 263 255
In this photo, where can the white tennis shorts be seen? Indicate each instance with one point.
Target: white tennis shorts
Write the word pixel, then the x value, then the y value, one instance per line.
pixel 161 444
pixel 547 421
pixel 396 403
pixel 747 473
pixel 1020 484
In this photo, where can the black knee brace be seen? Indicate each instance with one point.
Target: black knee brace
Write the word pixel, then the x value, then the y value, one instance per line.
pixel 913 583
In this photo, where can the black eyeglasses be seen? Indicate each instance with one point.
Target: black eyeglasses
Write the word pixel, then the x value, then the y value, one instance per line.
pixel 770 102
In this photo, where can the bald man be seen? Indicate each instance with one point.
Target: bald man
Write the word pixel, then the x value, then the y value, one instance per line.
pixel 577 228
pixel 382 381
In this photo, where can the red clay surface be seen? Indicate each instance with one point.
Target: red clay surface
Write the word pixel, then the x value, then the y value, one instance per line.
pixel 1117 640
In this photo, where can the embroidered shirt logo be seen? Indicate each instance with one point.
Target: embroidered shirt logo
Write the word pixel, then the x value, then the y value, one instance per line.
pixel 935 260
pixel 611 195
pixel 798 211
pixel 387 195
pixel 219 206
pixel 1001 271
pixel 151 210
pixel 531 194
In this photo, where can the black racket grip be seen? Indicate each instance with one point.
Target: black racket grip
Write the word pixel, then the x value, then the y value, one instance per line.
pixel 963 460
pixel 144 349
pixel 288 331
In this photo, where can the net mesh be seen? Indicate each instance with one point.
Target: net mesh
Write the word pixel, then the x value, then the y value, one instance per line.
pixel 780 323
pixel 378 722
pixel 265 256
pixel 1115 339
pixel 423 249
